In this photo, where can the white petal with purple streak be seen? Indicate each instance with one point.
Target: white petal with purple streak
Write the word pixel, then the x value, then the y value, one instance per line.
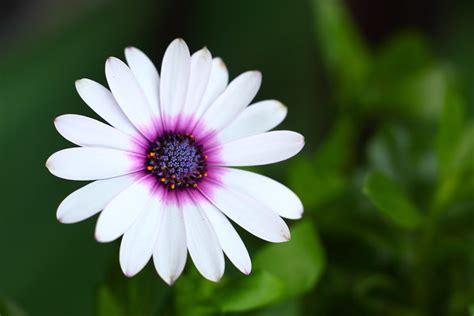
pixel 89 163
pixel 261 149
pixel 119 215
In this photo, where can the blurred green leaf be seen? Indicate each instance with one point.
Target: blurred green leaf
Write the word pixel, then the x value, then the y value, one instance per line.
pixel 390 151
pixel 404 152
pixel 10 308
pixel 286 308
pixel 280 272
pixel 337 149
pixel 108 304
pixel 460 169
pixel 322 179
pixel 345 53
pixel 142 295
pixel 388 197
pixel 194 296
pixel 299 263
pixel 402 55
pixel 259 289
pixel 377 291
pixel 313 186
pixel 450 130
pixel 405 79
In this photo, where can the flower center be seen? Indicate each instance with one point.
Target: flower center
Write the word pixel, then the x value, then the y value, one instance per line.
pixel 177 160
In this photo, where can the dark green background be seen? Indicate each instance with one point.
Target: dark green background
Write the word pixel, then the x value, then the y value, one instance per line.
pixel 384 95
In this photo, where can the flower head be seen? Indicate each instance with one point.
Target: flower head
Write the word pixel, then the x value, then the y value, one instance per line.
pixel 161 167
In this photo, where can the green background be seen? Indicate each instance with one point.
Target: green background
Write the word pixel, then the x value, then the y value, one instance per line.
pixel 383 93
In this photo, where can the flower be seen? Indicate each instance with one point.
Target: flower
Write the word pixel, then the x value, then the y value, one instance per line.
pixel 161 169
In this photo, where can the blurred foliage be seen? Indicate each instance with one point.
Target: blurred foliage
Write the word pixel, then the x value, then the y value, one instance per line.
pixel 387 181
pixel 9 308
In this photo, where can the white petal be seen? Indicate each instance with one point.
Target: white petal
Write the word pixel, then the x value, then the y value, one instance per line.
pixel 174 78
pixel 147 76
pixel 261 149
pixel 251 214
pixel 87 163
pixel 202 242
pixel 201 64
pixel 130 96
pixel 101 101
pixel 273 194
pixel 87 132
pixel 119 215
pixel 255 119
pixel 91 199
pixel 170 250
pixel 228 237
pixel 138 242
pixel 218 80
pixel 238 94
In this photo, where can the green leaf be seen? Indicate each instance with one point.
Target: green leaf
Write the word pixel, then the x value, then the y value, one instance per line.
pixel 259 289
pixel 108 304
pixel 344 52
pixel 321 180
pixel 194 295
pixel 299 263
pixel 10 308
pixel 402 55
pixel 336 151
pixel 405 79
pixel 280 272
pixel 285 308
pixel 460 169
pixel 314 186
pixel 144 294
pixel 388 197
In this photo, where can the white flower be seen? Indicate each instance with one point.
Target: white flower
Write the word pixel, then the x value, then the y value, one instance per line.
pixel 161 168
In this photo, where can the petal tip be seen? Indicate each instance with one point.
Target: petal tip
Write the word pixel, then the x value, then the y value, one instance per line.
pixel 102 238
pixel 256 73
pixel 48 163
pixel 220 63
pixel 215 278
pixel 58 119
pixel 179 42
pixel 170 280
pixel 79 82
pixel 112 61
pixel 281 107
pixel 247 270
pixel 129 273
pixel 60 217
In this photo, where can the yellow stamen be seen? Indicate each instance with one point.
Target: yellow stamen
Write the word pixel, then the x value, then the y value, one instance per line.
pixel 149 168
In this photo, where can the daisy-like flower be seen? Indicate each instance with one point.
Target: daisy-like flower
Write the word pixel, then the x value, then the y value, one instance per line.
pixel 161 166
